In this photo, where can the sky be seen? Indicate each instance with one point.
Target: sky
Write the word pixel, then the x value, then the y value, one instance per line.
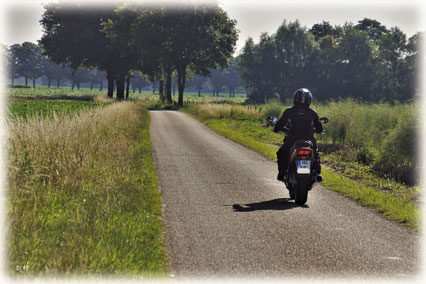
pixel 20 18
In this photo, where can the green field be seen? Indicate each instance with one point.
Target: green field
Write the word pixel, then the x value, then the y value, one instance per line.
pixel 47 108
pixel 86 93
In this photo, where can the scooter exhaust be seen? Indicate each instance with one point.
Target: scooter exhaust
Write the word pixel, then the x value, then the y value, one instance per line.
pixel 318 178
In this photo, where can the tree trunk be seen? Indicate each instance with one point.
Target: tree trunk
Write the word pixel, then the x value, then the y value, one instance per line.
pixel 33 83
pixel 120 81
pixel 110 79
pixel 91 85
pixel 153 88
pixel 134 88
pixel 73 84
pixel 181 84
pixel 230 93
pixel 140 89
pixel 49 81
pixel 12 80
pixel 57 83
pixel 161 90
pixel 101 84
pixel 127 86
pixel 199 92
pixel 214 91
pixel 26 81
pixel 169 86
pixel 78 85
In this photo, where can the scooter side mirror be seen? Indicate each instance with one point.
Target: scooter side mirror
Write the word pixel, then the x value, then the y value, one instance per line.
pixel 325 119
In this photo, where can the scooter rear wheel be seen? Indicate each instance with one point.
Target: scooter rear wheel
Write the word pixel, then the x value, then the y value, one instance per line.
pixel 301 192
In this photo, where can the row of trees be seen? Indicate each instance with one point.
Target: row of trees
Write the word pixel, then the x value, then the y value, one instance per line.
pixel 365 61
pixel 156 40
pixel 27 61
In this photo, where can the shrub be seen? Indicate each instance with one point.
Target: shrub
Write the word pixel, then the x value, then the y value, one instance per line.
pixel 274 110
pixel 397 157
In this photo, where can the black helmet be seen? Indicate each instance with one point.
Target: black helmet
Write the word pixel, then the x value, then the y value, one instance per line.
pixel 302 97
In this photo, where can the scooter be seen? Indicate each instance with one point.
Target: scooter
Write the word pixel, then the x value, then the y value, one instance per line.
pixel 303 170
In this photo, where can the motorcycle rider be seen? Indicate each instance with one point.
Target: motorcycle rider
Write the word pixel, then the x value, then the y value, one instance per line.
pixel 299 122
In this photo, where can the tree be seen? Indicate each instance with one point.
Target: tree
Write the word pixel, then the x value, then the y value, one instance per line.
pixel 79 76
pixel 412 62
pixel 325 75
pixel 198 82
pixel 355 66
pixel 51 71
pixel 373 28
pixel 63 73
pixel 79 35
pixel 259 68
pixel 119 31
pixel 191 36
pixel 29 60
pixel 208 41
pixel 326 29
pixel 139 81
pixel 95 76
pixel 232 80
pixel 217 80
pixel 11 55
pixel 364 61
pixel 295 50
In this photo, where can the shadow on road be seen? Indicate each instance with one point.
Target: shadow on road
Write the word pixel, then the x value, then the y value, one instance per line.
pixel 275 204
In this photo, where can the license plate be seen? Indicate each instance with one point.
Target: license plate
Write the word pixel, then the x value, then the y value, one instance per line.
pixel 303 166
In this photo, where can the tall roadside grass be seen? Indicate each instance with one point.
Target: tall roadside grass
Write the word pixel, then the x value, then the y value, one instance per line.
pixel 382 136
pixel 220 111
pixel 83 196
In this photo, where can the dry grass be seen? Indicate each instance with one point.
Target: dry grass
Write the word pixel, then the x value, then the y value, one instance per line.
pixel 102 99
pixel 60 147
pixel 83 194
pixel 210 111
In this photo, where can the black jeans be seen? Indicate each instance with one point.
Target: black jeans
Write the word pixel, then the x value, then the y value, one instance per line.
pixel 283 154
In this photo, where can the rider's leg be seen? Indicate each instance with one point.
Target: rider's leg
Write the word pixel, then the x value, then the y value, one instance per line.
pixel 282 157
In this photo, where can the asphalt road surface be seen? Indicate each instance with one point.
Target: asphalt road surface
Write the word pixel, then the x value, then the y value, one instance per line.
pixel 227 216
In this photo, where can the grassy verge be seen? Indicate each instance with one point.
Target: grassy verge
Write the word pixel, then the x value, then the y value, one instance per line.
pixel 83 197
pixel 252 135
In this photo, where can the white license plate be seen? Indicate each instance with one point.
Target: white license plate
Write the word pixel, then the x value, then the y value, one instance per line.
pixel 303 166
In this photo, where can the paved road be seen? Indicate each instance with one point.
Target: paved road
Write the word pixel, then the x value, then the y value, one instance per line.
pixel 227 216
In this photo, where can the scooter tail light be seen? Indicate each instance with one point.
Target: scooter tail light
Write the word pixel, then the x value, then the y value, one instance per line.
pixel 304 152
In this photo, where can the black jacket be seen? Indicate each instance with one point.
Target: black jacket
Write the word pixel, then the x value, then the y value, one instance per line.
pixel 301 122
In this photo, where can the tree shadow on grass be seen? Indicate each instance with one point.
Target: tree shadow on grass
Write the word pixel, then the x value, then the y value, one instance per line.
pixel 53 97
pixel 275 204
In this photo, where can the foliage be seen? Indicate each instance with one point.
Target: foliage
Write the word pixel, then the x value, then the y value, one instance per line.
pixel 273 110
pixel 366 61
pixel 27 59
pixel 83 196
pixel 68 27
pixel 198 37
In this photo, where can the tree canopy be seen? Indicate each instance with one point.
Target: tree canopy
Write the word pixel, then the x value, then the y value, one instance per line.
pixel 158 40
pixel 366 61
